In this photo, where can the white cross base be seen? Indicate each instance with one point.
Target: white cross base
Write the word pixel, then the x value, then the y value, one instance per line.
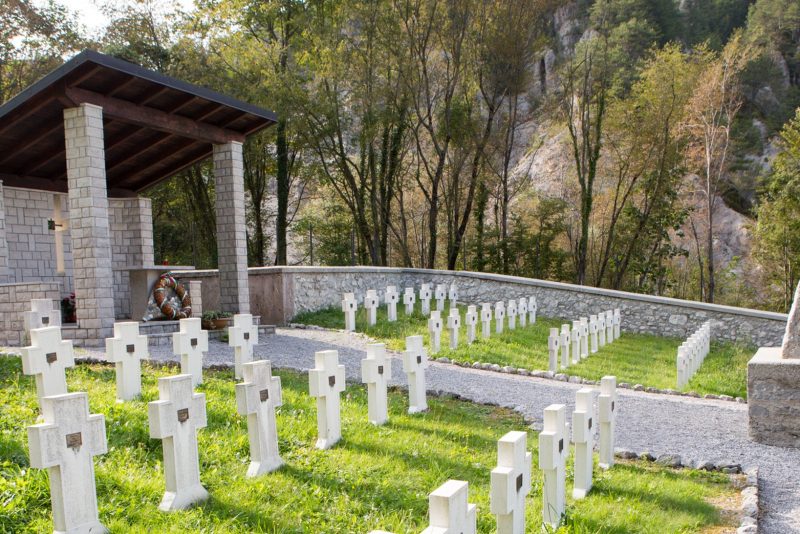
pixel 609 326
pixel 453 325
pixel 242 336
pixel 326 381
pixel 191 343
pixel 553 451
pixel 415 361
pixel 256 398
pixel 601 329
pixel 617 323
pixel 47 359
pixel 532 307
pixel 584 322
pixel 499 316
pixel 564 342
pixel 376 370
pixel 575 336
pixel 409 299
pixel 607 411
pixel 127 349
pixel 175 419
pixel 64 444
pixel 593 332
pixel 511 483
pixel 349 306
pixel 522 312
pixel 449 510
pixel 391 297
pixel 471 319
pixel 583 427
pixel 511 311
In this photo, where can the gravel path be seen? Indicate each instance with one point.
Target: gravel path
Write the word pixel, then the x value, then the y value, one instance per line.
pixel 695 429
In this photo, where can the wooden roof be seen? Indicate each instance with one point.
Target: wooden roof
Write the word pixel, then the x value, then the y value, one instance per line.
pixel 155 126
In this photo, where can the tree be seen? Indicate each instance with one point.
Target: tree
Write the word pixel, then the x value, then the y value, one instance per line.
pixel 710 115
pixel 777 231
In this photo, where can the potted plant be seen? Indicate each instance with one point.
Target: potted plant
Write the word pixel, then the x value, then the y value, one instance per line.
pixel 215 320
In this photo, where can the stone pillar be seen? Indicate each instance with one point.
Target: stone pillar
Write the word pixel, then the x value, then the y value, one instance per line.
pixel 773 387
pixel 89 228
pixel 231 230
pixel 3 241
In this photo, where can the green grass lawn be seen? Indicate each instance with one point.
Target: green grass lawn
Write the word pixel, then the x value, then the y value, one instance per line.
pixel 375 478
pixel 635 358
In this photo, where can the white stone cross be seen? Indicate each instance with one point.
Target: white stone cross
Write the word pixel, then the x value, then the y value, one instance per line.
pixel 486 320
pixel 511 311
pixel 553 451
pixel 683 365
pixel 564 342
pixel 391 297
pixel 415 361
pixel 242 336
pixel 553 344
pixel 607 414
pixel 583 427
pixel 452 294
pixel 450 511
pixel 499 316
pixel 256 398
pixel 511 483
pixel 617 323
pixel 409 299
pixel 64 444
pixel 376 370
pixel 441 295
pixel 584 337
pixel 471 320
pixel 175 419
pixel 532 307
pixel 349 307
pixel 326 381
pixel 371 303
pixel 609 326
pixel 47 358
pixel 435 331
pixel 575 335
pixel 191 343
pixel 453 325
pixel 42 315
pixel 522 312
pixel 425 298
pixel 126 349
pixel 601 329
pixel 593 332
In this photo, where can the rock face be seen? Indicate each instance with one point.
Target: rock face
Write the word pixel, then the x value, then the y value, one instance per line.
pixel 791 339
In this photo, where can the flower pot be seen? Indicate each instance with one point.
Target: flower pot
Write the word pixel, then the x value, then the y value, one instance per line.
pixel 221 324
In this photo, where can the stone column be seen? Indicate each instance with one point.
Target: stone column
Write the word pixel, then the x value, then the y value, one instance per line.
pixel 3 241
pixel 231 230
pixel 88 221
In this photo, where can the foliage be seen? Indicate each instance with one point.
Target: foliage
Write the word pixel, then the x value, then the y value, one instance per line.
pixel 634 358
pixel 376 478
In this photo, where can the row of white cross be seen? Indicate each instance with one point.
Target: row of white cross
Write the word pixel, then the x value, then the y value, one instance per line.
pixel 449 508
pixel 692 353
pixel 586 336
pixel 70 436
pixel 391 297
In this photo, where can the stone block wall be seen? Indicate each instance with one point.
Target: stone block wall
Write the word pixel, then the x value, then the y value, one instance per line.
pixel 773 398
pixel 15 299
pixel 279 293
pixel 131 227
pixel 31 245
pixel 3 241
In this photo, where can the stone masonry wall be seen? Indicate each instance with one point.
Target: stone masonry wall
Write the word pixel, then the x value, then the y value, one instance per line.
pixel 131 227
pixel 3 242
pixel 31 246
pixel 16 299
pixel 279 293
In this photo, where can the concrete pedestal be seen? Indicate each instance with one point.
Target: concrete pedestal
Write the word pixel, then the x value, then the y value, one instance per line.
pixel 773 398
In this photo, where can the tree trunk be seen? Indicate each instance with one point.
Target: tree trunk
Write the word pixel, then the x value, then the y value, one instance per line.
pixel 282 178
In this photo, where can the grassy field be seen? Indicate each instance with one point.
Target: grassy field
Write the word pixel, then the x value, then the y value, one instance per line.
pixel 635 358
pixel 375 478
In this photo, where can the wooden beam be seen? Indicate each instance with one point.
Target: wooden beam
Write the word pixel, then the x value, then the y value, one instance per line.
pixel 142 184
pixel 141 169
pixel 153 118
pixel 31 141
pixel 120 86
pixel 149 145
pixel 152 96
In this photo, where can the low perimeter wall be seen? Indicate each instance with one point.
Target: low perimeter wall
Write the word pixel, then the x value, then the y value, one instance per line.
pixel 279 293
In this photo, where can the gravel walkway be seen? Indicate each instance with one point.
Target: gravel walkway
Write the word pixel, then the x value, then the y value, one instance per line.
pixel 695 429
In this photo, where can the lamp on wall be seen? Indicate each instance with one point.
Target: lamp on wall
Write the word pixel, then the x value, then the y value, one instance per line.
pixel 52 225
